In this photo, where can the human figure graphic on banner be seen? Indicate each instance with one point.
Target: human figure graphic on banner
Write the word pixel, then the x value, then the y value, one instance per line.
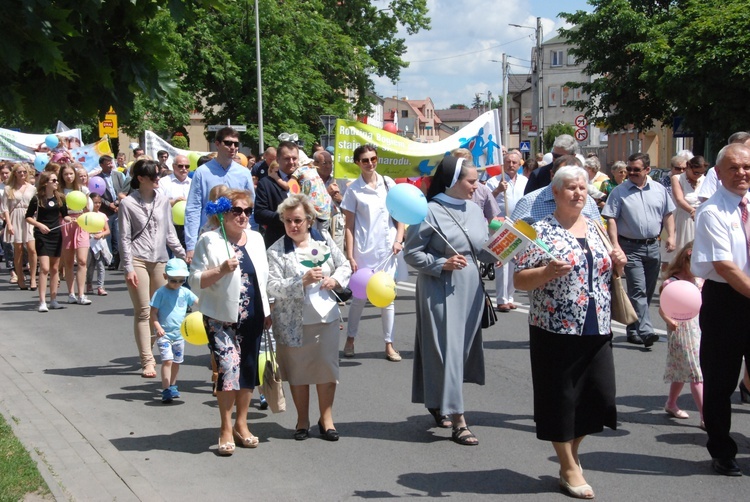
pixel 491 145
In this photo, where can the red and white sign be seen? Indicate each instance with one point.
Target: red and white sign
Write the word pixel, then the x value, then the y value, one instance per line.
pixel 581 121
pixel 581 134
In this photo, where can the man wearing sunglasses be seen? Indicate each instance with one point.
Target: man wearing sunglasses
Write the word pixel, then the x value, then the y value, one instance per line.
pixel 636 211
pixel 222 170
pixel 176 186
pixel 564 144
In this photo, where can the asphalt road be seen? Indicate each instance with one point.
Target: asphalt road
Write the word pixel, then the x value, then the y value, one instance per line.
pixel 72 391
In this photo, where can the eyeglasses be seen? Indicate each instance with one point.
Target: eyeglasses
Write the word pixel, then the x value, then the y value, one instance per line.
pixel 679 169
pixel 295 221
pixel 633 170
pixel 53 181
pixel 183 166
pixel 239 210
pixel 178 280
pixel 369 160
pixel 230 143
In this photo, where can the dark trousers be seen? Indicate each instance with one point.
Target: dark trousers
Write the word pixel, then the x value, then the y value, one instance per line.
pixel 725 339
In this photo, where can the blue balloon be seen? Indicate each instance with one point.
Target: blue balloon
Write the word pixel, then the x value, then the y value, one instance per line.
pixel 40 161
pixel 406 203
pixel 51 141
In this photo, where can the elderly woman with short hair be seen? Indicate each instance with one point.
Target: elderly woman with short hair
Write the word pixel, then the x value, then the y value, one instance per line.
pixel 304 267
pixel 572 367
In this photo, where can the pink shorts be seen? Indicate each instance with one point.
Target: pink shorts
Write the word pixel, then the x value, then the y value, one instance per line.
pixel 74 237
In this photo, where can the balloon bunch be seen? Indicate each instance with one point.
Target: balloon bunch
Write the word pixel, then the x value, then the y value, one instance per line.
pixel 218 208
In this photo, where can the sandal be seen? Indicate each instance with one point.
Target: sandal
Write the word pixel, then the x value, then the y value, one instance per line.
pixel 583 491
pixel 226 449
pixel 442 421
pixel 464 439
pixel 246 442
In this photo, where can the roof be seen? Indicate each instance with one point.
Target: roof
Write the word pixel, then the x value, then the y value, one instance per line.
pixel 457 114
pixel 518 82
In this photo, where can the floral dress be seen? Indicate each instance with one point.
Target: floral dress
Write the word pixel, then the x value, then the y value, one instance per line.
pixel 683 348
pixel 237 345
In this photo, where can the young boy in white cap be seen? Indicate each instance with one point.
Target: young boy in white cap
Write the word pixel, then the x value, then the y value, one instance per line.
pixel 168 309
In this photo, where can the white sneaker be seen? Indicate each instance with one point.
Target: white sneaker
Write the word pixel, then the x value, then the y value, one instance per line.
pixel 83 300
pixel 54 305
pixel 43 307
pixel 72 299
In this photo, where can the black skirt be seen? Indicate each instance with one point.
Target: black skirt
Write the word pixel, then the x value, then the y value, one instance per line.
pixel 49 244
pixel 574 384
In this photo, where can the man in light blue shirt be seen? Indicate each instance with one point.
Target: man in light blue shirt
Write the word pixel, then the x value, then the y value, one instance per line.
pixel 540 203
pixel 220 171
pixel 636 210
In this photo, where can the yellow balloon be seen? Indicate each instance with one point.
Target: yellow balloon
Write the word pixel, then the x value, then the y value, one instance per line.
pixel 178 213
pixel 193 159
pixel 92 222
pixel 381 289
pixel 76 200
pixel 193 330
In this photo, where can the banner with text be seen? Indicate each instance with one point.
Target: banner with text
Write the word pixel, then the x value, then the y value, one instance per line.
pixel 23 147
pixel 399 157
pixel 154 143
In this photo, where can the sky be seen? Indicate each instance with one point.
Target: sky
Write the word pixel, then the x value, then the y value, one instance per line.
pixel 451 62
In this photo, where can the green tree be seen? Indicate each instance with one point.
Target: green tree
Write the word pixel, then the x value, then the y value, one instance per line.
pixel 73 59
pixel 554 131
pixel 457 107
pixel 660 59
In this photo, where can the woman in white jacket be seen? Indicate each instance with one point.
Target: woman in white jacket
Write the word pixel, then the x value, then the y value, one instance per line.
pixel 229 273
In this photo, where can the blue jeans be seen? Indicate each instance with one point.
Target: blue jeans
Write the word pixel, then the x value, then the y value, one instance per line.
pixel 641 273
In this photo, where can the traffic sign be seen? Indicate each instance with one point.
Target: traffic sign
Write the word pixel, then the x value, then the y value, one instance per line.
pixel 109 124
pixel 525 146
pixel 581 121
pixel 216 127
pixel 329 122
pixel 581 134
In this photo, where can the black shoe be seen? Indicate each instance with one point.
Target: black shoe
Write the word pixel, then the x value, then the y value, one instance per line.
pixel 301 434
pixel 726 467
pixel 744 393
pixel 328 435
pixel 635 340
pixel 649 340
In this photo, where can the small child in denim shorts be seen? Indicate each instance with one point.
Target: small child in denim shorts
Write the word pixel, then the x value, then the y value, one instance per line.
pixel 168 309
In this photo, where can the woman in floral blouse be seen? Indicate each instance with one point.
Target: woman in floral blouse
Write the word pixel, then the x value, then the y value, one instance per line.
pixel 569 325
pixel 303 267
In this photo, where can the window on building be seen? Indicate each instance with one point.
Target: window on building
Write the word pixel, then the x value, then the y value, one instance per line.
pixel 404 114
pixel 556 58
pixel 571 59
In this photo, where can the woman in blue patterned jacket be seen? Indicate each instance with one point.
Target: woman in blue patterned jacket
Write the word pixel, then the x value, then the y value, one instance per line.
pixel 303 269
pixel 569 324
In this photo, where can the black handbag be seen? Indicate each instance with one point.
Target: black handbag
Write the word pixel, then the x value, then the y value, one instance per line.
pixel 343 294
pixel 489 316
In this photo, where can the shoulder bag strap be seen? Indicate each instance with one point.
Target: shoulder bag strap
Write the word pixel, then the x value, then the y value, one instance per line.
pixel 471 246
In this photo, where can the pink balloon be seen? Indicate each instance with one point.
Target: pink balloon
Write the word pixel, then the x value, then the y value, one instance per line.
pixel 97 185
pixel 681 300
pixel 358 282
pixel 391 127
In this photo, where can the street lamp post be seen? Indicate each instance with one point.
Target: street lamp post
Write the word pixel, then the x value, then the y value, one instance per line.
pixel 537 109
pixel 505 120
pixel 261 147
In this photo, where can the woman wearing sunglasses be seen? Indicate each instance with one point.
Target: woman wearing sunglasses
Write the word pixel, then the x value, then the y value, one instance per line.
pixel 145 225
pixel 45 213
pixel 229 273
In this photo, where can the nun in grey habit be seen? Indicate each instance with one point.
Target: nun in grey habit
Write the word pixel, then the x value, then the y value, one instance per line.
pixel 448 346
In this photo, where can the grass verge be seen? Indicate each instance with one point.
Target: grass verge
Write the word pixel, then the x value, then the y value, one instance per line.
pixel 18 472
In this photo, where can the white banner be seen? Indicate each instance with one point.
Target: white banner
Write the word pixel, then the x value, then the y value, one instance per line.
pixel 23 147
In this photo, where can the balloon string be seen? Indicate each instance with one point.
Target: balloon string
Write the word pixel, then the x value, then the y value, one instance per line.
pixel 59 226
pixel 382 263
pixel 442 236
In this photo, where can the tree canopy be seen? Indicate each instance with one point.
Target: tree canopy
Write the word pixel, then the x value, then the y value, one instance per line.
pixel 156 61
pixel 656 60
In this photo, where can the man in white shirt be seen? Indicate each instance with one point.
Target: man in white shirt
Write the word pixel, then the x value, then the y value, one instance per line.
pixel 720 256
pixel 507 188
pixel 176 186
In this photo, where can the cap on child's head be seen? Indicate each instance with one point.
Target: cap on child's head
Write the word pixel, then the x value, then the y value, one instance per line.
pixel 176 267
